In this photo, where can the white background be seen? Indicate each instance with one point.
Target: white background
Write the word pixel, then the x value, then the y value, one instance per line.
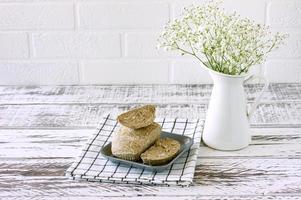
pixel 113 41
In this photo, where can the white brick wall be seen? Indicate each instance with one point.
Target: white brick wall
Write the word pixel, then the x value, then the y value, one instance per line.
pixel 76 45
pixel 131 72
pixel 120 15
pixel 113 41
pixel 14 46
pixel 284 14
pixel 36 16
pixel 37 72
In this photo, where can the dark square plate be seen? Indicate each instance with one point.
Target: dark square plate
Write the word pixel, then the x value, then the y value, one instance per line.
pixel 185 142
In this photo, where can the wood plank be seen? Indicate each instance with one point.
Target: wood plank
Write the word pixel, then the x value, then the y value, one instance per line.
pixel 212 177
pixel 168 197
pixel 259 136
pixel 42 143
pixel 32 162
pixel 28 150
pixel 34 167
pixel 37 171
pixel 269 176
pixel 115 94
pixel 255 151
pixel 275 135
pixel 88 116
pixel 267 142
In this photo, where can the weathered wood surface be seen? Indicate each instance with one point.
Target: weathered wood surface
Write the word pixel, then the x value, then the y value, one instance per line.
pixel 115 94
pixel 212 177
pixel 43 128
pixel 252 197
pixel 88 116
pixel 267 142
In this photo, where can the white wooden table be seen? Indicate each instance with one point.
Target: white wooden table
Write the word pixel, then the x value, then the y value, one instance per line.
pixel 42 129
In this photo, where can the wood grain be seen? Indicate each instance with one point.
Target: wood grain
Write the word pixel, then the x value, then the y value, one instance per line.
pixel 115 94
pixel 42 129
pixel 88 116
pixel 267 142
pixel 212 176
pixel 168 197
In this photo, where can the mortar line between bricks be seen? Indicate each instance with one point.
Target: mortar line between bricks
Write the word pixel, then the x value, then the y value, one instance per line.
pixel 117 31
pixel 117 59
pixel 30 46
pixel 79 72
pixel 171 72
pixel 265 12
pixel 123 45
pixel 76 15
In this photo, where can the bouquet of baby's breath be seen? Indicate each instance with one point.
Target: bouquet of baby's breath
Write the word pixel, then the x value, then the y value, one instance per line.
pixel 226 43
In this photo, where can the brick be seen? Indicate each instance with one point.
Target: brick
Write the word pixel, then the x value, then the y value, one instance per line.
pixel 123 15
pixel 14 46
pixel 290 49
pixel 283 70
pixel 76 45
pixel 35 73
pixel 144 45
pixel 124 72
pixel 191 72
pixel 31 16
pixel 284 14
pixel 254 9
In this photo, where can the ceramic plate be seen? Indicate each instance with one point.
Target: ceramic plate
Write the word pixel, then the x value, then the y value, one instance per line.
pixel 185 142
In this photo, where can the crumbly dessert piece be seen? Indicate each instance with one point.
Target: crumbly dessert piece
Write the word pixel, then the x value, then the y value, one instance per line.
pixel 138 117
pixel 129 143
pixel 163 151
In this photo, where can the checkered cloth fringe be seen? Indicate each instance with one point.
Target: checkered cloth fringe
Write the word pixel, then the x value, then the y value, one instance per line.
pixel 92 166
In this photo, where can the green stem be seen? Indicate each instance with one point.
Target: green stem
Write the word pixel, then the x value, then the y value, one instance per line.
pixel 193 54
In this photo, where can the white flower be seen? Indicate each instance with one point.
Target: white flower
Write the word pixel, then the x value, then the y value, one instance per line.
pixel 224 42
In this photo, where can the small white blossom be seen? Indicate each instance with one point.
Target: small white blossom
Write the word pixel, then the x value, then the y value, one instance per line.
pixel 224 42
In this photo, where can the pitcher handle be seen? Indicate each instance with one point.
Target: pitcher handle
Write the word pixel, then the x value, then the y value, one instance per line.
pixel 257 99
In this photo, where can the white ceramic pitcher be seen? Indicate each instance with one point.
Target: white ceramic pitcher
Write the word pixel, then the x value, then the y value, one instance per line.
pixel 227 124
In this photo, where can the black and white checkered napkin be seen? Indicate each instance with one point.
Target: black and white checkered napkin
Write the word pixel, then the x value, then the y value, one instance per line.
pixel 92 166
